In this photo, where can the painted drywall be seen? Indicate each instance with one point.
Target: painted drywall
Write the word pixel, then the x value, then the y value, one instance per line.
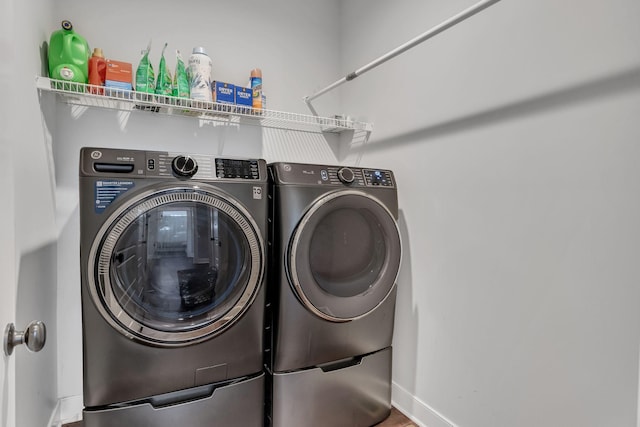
pixel 514 140
pixel 7 216
pixel 30 202
pixel 295 44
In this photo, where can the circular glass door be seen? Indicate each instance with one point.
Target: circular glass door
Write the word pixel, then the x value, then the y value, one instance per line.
pixel 177 265
pixel 344 255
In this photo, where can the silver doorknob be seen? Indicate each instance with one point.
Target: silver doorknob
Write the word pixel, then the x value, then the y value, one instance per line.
pixel 34 337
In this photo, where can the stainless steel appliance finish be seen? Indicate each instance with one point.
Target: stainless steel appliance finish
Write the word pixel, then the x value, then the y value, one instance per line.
pixel 335 256
pixel 354 396
pixel 221 406
pixel 173 268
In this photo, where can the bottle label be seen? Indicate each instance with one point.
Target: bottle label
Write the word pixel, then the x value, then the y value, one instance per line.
pixel 200 77
pixel 256 85
pixel 66 73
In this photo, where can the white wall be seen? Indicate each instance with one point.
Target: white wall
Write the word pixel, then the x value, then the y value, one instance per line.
pixel 514 139
pixel 296 44
pixel 7 216
pixel 31 204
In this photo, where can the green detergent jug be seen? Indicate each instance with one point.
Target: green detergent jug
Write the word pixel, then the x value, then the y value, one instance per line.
pixel 68 55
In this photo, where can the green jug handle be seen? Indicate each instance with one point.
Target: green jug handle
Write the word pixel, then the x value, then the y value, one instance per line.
pixel 67 38
pixel 67 35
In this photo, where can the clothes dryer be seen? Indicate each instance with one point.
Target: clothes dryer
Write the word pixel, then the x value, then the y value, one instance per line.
pixel 173 270
pixel 335 258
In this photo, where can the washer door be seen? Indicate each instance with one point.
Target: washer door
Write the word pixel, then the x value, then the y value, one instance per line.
pixel 176 265
pixel 344 255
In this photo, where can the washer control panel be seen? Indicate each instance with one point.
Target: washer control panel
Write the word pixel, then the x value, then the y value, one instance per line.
pixel 157 164
pixel 299 173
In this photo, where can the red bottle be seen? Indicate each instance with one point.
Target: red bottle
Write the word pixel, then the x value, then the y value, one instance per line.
pixel 97 71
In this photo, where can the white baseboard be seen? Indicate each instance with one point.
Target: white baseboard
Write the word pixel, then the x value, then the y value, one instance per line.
pixel 414 408
pixel 67 410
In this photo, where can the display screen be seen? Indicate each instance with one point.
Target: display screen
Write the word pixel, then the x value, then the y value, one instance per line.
pixel 378 177
pixel 243 169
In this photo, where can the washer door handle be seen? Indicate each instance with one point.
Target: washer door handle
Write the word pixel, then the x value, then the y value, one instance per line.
pixel 34 337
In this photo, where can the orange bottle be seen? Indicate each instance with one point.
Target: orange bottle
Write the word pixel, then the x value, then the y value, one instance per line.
pixel 256 85
pixel 97 71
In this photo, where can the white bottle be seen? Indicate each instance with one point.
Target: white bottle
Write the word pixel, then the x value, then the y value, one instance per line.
pixel 199 72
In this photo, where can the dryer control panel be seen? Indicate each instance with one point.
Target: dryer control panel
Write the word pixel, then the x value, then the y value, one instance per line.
pixel 300 173
pixel 158 164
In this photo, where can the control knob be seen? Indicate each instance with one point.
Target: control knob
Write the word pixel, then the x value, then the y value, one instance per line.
pixel 184 166
pixel 346 175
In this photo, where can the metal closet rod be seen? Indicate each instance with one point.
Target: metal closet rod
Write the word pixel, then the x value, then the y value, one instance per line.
pixel 456 19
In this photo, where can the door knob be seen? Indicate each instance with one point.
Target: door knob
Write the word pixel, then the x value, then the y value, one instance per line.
pixel 34 337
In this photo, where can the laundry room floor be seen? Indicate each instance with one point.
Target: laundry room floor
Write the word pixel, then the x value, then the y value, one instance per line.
pixel 396 419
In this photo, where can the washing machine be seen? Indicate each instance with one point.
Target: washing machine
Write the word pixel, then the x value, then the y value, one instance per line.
pixel 173 269
pixel 335 256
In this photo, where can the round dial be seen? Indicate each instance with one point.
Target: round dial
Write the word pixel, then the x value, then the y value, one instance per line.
pixel 184 166
pixel 346 175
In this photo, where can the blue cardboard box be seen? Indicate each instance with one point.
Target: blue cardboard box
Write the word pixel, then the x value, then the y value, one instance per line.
pixel 224 93
pixel 244 96
pixel 118 89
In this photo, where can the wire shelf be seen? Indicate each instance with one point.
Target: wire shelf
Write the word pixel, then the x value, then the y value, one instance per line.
pixel 128 100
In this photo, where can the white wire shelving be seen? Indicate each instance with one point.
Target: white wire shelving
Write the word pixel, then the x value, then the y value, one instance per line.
pixel 128 100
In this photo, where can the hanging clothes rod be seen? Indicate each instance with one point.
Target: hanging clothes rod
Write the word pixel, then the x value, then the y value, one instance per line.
pixel 456 19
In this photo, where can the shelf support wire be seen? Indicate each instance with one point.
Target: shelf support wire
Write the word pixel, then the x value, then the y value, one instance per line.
pixel 454 20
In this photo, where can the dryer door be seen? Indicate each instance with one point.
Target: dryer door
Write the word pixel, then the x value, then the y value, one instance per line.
pixel 176 265
pixel 344 255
